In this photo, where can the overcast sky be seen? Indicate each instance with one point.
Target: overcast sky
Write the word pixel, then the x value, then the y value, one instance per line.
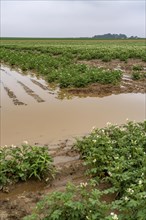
pixel 86 18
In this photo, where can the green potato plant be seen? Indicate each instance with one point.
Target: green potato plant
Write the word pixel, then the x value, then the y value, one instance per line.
pixel 114 156
pixel 57 60
pixel 24 162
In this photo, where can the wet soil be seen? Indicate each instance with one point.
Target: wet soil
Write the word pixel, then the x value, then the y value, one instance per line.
pixel 20 199
pixel 127 84
pixel 45 120
pixel 39 84
pixel 125 67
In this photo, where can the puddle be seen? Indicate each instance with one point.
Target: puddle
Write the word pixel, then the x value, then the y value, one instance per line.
pixel 26 88
pixel 52 119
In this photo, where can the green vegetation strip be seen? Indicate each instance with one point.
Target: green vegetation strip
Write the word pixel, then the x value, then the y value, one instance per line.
pixel 57 60
pixel 116 158
pixel 22 163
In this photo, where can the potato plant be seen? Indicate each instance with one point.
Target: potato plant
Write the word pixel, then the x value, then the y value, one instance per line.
pixel 24 162
pixel 116 157
pixel 57 60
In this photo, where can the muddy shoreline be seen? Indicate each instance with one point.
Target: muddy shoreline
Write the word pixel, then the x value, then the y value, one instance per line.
pixel 98 90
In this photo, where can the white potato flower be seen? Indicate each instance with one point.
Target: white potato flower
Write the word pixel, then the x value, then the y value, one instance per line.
pixel 114 216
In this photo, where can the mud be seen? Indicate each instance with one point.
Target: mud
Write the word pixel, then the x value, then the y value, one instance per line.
pixel 47 122
pixel 39 84
pixel 23 197
pixel 127 85
pixel 98 90
pixel 125 67
pixel 20 205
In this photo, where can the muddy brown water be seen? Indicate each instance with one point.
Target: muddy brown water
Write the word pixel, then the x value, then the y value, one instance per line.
pixel 31 111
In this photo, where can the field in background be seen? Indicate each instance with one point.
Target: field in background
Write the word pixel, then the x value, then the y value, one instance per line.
pixel 60 60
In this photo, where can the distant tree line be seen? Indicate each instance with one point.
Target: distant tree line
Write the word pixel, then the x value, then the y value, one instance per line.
pixel 114 36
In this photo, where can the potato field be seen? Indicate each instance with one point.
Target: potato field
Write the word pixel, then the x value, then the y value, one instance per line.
pixel 73 129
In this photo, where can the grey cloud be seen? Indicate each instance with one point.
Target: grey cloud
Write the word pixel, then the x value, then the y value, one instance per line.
pixel 71 18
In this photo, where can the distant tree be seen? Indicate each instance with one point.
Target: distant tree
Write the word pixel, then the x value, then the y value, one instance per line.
pixel 110 36
pixel 133 37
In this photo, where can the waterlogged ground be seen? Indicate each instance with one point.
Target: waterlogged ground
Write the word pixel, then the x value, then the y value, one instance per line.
pixel 32 111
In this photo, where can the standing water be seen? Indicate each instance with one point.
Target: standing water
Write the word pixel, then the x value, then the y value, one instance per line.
pixel 31 111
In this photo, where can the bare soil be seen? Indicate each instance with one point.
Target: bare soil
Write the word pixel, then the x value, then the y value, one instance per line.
pixel 39 84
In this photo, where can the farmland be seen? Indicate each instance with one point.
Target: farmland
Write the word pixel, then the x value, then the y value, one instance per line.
pixel 53 91
pixel 60 61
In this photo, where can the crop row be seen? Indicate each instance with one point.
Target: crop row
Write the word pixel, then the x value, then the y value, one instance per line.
pixel 94 50
pixel 61 70
pixel 58 60
pixel 22 163
pixel 115 157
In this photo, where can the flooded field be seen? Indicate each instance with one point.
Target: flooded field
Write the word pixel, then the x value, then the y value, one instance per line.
pixel 31 111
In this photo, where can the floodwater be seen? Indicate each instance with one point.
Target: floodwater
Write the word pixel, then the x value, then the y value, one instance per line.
pixel 31 111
